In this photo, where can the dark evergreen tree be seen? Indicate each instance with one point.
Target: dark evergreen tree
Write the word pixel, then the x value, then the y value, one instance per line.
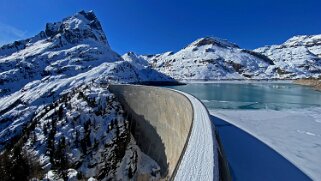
pixel 112 124
pixel 87 132
pixel 61 160
pixel 60 112
pixel 45 129
pixel 33 138
pixel 117 131
pixel 77 134
pixel 130 172
pixel 20 167
pixel 5 166
pixel 83 146
pixel 95 144
pixel 51 141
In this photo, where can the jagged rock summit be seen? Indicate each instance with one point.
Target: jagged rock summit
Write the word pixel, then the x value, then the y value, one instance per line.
pixel 66 48
pixel 213 41
pixel 83 25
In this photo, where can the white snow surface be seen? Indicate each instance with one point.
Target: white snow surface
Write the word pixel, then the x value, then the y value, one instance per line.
pixel 53 176
pixel 294 133
pixel 298 57
pixel 200 160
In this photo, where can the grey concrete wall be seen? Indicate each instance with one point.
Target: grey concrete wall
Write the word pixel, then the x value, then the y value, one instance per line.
pixel 162 122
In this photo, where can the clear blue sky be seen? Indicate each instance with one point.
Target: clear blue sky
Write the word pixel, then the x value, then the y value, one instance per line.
pixel 155 26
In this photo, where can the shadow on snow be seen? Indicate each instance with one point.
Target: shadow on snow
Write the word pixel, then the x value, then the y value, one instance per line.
pixel 250 159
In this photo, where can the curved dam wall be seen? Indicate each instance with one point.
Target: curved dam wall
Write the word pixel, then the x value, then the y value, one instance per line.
pixel 162 121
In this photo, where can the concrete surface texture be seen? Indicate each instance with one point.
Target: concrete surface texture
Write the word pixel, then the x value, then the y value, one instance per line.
pixel 200 159
pixel 162 122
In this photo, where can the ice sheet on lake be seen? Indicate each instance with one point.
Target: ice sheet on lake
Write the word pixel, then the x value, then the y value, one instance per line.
pixel 294 133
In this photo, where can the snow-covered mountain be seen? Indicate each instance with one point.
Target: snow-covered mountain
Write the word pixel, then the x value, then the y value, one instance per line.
pixel 67 54
pixel 36 70
pixel 205 59
pixel 61 71
pixel 64 49
pixel 213 58
pixel 298 57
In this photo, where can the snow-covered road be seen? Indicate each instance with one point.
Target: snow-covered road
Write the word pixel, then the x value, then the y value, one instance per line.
pixel 200 161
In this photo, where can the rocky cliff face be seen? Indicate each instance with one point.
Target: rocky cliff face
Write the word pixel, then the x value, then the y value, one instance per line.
pixel 298 57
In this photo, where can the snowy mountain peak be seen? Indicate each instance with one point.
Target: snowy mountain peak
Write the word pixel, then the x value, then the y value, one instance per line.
pixel 212 41
pixel 75 28
pixel 66 48
pixel 304 40
pixel 70 31
pixel 299 56
pixel 205 59
pixel 130 54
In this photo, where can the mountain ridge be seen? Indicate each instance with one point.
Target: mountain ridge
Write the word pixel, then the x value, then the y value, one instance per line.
pixel 208 58
pixel 234 67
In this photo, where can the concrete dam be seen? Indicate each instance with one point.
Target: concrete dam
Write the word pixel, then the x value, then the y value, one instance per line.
pixel 174 129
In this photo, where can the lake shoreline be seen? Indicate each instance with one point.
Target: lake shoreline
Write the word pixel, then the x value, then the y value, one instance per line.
pixel 314 83
pixel 237 81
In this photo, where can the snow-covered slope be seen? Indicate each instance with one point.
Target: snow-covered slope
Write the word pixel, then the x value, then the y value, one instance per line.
pixel 17 108
pixel 81 135
pixel 67 54
pixel 207 58
pixel 34 72
pixel 298 57
pixel 63 69
pixel 146 71
pixel 65 48
pixel 213 58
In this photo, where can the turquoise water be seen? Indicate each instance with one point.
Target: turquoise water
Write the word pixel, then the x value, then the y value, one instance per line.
pixel 273 96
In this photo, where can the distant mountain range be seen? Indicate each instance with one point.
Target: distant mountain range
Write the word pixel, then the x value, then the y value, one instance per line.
pixel 52 93
pixel 214 59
